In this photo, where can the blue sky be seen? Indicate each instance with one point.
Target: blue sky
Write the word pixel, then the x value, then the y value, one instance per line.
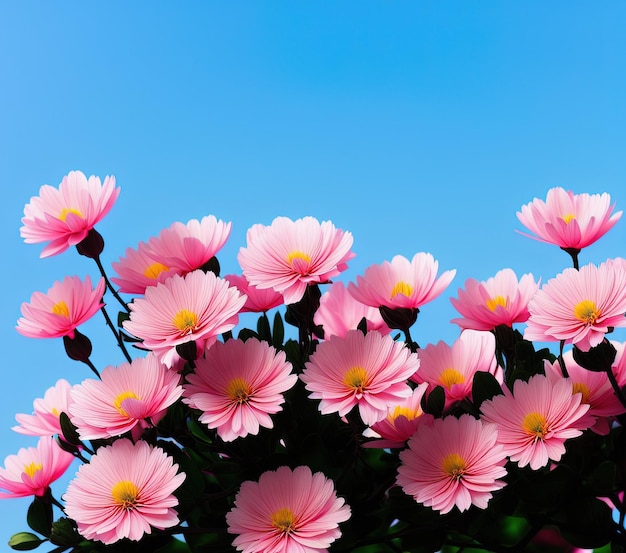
pixel 417 126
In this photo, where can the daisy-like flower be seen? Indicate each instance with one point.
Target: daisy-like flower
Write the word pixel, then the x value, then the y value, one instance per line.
pixel 619 365
pixel 453 462
pixel 130 397
pixel 64 216
pixel 258 300
pixel 501 300
pixel 124 491
pixel 67 305
pixel 237 385
pixel 369 371
pixel 536 419
pixel 453 367
pixel 33 469
pixel 287 511
pixel 579 307
pixel 289 255
pixel 46 411
pixel 568 220
pixel 196 307
pixel 339 312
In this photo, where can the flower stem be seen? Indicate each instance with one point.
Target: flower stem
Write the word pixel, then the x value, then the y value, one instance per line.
pixel 110 286
pixel 117 335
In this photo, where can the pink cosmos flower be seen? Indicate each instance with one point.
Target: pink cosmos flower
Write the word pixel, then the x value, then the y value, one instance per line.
pixel 453 367
pixel 237 385
pixel 289 255
pixel 536 419
pixel 196 307
pixel 124 491
pixel 619 365
pixel 45 419
pixel 369 371
pixel 64 216
pixel 287 511
pixel 401 283
pixel 453 462
pixel 258 300
pixel 501 300
pixel 339 312
pixel 65 306
pixel 579 306
pixel 568 220
pixel 33 469
pixel 130 397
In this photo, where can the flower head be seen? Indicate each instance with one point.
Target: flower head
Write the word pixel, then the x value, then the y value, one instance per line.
pixel 45 419
pixel 287 511
pixel 453 462
pixel 568 220
pixel 258 300
pixel 369 371
pixel 237 385
pixel 124 491
pixel 65 306
pixel 289 255
pixel 64 216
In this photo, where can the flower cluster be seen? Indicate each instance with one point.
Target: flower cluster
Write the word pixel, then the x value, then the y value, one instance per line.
pixel 342 435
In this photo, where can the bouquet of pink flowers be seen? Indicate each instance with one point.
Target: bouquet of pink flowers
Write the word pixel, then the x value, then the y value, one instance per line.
pixel 326 426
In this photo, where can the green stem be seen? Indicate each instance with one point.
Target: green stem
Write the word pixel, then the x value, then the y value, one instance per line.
pixel 110 286
pixel 118 336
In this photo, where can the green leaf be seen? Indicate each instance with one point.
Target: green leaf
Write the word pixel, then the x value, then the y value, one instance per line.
pixel 484 387
pixel 24 541
pixel 586 522
pixel 39 517
pixel 435 402
pixel 278 332
pixel 246 333
pixel 122 316
pixel 263 328
pixel 69 430
pixel 174 546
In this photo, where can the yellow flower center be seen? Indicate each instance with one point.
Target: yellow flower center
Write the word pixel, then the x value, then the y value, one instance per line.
pixel 535 424
pixel 450 377
pixel 154 270
pixel 32 468
pixel 185 321
pixel 67 210
pixel 567 218
pixel 284 520
pixel 125 494
pixel 291 256
pixel 238 390
pixel 61 309
pixel 582 389
pixel 403 288
pixel 493 303
pixel 55 412
pixel 406 412
pixel 454 466
pixel 587 312
pixel 120 399
pixel 356 378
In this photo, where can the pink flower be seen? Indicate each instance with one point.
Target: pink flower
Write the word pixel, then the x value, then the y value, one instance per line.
pixel 129 397
pixel 66 306
pixel 401 283
pixel 289 255
pixel 369 371
pixel 287 511
pixel 535 420
pixel 258 300
pixel 501 300
pixel 45 419
pixel 33 469
pixel 453 462
pixel 568 220
pixel 619 365
pixel 339 312
pixel 64 216
pixel 123 491
pixel 579 307
pixel 197 307
pixel 237 385
pixel 453 367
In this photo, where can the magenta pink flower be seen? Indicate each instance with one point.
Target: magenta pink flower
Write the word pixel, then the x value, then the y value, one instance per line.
pixel 619 365
pixel 66 306
pixel 401 283
pixel 287 511
pixel 237 385
pixel 196 307
pixel 536 419
pixel 568 220
pixel 501 300
pixel 339 312
pixel 369 371
pixel 289 255
pixel 258 300
pixel 453 367
pixel 579 307
pixel 45 419
pixel 453 462
pixel 33 469
pixel 130 397
pixel 124 491
pixel 64 216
